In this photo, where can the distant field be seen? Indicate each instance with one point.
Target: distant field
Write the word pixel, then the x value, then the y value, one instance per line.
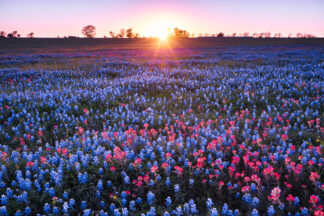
pixel 97 44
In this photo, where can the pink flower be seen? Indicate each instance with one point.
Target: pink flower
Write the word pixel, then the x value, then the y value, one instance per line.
pixel 30 163
pixel 275 194
pixel 314 177
pixel 246 189
pixel 179 170
pixel 290 198
pixel 154 169
pixel 313 200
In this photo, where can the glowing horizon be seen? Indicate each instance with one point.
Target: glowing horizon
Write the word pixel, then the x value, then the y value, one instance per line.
pixel 154 18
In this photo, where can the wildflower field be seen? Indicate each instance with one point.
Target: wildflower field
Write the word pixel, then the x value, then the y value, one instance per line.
pixel 186 131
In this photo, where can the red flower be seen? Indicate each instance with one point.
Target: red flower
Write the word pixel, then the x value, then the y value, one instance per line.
pixel 313 200
pixel 290 198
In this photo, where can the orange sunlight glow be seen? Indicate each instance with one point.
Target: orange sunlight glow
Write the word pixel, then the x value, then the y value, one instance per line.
pixel 158 28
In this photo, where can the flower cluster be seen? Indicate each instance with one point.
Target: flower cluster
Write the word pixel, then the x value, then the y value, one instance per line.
pixel 227 131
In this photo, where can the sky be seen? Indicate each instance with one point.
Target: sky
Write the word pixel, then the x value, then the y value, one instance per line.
pixel 52 18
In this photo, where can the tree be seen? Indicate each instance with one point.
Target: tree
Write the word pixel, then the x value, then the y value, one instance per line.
pixel 14 33
pixel 178 33
pixel 220 34
pixel 3 34
pixel 89 31
pixel 129 33
pixel 112 34
pixel 30 35
pixel 121 33
pixel 299 35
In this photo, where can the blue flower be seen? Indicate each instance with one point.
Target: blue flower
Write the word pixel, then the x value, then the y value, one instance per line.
pixel 176 188
pixel 213 212
pixel 271 211
pixel 255 212
pixel 255 202
pixel 209 203
pixel 56 210
pixel 27 211
pixel 305 212
pixel 65 207
pixel 168 202
pixel 47 208
pixel 3 210
pixel 225 209
pixel 83 205
pixel 150 198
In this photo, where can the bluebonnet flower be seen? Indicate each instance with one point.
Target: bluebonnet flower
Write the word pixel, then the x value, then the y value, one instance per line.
pixel 124 202
pixel 132 205
pixel 71 203
pixel 191 181
pixel 209 203
pixel 56 210
pixel 125 212
pixel 151 212
pixel 194 209
pixel 117 212
pixel 168 202
pixel 213 212
pixel 65 195
pixel 168 182
pixel 176 188
pixel 112 207
pixel 296 202
pixel 102 204
pixel 304 212
pixel 4 199
pixel 255 202
pixel 100 185
pixel 3 211
pixel 102 213
pixel 225 209
pixel 47 208
pixel 150 198
pixel 139 201
pixel 87 212
pixel 83 205
pixel 65 207
pixel 271 211
pixel 255 212
pixel 27 211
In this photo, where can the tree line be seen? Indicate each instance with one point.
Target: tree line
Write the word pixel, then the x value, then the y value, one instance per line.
pixel 89 31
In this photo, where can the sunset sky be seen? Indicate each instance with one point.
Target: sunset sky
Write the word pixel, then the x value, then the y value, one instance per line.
pixel 67 17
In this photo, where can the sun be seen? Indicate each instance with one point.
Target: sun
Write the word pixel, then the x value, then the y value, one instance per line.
pixel 159 29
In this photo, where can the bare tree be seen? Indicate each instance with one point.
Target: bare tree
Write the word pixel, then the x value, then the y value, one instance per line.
pixel 30 35
pixel 89 31
pixel 129 33
pixel 112 34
